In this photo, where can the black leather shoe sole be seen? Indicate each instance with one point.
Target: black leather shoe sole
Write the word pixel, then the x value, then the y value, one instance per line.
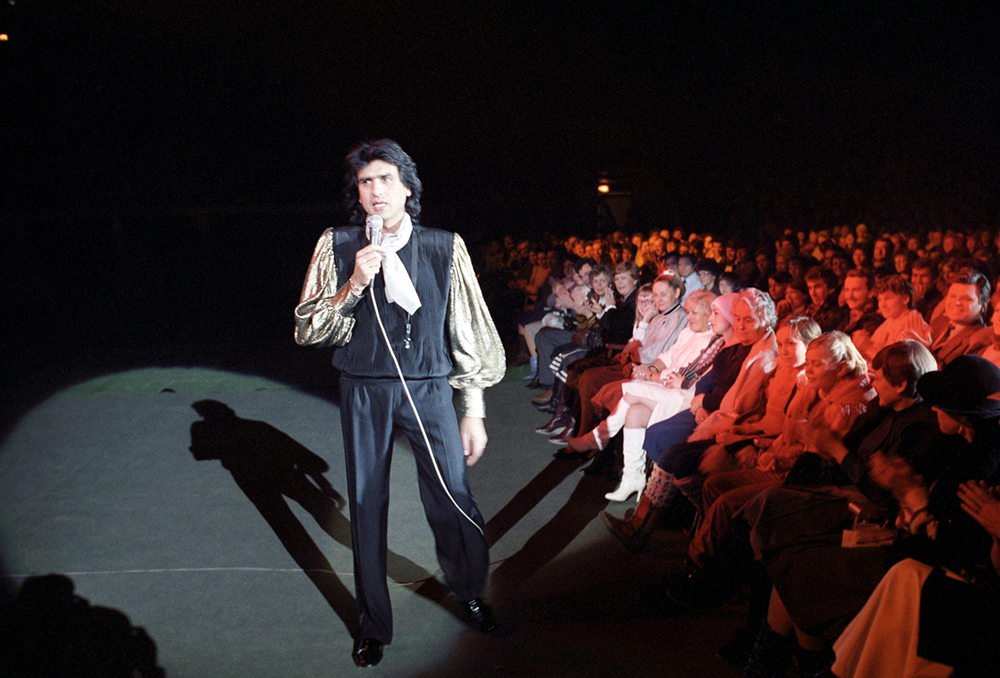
pixel 367 653
pixel 480 616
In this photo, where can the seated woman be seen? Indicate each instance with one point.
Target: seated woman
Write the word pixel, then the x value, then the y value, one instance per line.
pixel 837 393
pixel 724 432
pixel 734 384
pixel 656 384
pixel 925 476
pixel 662 332
pixel 902 321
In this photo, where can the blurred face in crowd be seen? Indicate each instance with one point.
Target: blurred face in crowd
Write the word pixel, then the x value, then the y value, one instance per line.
pixel 685 266
pixel 795 268
pixel 796 298
pixel 718 321
pixel 747 327
pixel 859 257
pixel 791 349
pixel 922 280
pixel 780 262
pixel 888 395
pixel 776 289
pixel 699 314
pixel 947 423
pixel 818 291
pixel 892 305
pixel 582 276
pixel 901 262
pixel 726 287
pixel 665 296
pixel 855 292
pixel 625 283
pixel 822 370
pixel 707 279
pixel 962 305
pixel 838 265
pixel 643 303
pixel 881 250
pixel 600 284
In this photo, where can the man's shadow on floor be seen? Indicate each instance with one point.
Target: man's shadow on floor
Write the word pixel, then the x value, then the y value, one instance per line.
pixel 269 465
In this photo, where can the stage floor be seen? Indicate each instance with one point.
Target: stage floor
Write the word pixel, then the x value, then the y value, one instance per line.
pixel 229 542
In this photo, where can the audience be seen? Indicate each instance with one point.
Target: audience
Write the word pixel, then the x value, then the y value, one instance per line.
pixel 781 460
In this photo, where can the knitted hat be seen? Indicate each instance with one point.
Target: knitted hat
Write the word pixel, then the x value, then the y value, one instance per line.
pixel 964 386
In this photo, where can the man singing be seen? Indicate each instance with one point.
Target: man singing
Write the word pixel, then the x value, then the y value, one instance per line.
pixel 423 321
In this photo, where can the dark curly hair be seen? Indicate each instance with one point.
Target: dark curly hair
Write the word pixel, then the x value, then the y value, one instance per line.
pixel 388 151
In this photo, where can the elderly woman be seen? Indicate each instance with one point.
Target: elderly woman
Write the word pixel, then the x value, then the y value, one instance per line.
pixel 655 386
pixel 735 384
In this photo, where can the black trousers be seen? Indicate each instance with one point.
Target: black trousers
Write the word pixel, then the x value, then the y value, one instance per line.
pixel 370 410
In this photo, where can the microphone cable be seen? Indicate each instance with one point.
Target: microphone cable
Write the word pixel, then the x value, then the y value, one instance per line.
pixel 420 423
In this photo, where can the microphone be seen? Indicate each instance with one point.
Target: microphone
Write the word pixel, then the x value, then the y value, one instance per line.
pixel 374 225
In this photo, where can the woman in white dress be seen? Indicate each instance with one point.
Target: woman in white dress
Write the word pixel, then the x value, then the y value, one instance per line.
pixel 660 390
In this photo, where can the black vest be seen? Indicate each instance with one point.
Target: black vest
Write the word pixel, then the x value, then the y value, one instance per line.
pixel 427 258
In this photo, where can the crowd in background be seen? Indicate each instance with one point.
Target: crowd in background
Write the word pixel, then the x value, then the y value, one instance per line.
pixel 821 414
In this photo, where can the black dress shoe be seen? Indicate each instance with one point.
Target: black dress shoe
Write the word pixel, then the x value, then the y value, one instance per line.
pixel 570 453
pixel 367 652
pixel 480 615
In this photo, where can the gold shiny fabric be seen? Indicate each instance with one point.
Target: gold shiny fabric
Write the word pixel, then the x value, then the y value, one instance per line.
pixel 476 352
pixel 323 318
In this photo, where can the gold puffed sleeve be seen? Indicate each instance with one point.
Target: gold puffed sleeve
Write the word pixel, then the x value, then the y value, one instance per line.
pixel 476 351
pixel 323 316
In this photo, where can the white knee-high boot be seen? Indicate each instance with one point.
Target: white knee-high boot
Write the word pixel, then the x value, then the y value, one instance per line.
pixel 634 469
pixel 608 428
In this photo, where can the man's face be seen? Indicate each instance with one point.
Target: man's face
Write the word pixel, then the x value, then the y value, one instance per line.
pixel 921 279
pixel 962 305
pixel 381 192
pixel 818 291
pixel 685 266
pixel 855 292
pixel 583 275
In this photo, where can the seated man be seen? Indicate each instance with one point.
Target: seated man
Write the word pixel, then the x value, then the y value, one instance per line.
pixel 957 331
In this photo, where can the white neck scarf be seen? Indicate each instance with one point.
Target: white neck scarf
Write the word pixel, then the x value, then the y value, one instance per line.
pixel 398 286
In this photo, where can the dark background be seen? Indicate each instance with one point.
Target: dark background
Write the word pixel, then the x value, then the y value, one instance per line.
pixel 168 165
